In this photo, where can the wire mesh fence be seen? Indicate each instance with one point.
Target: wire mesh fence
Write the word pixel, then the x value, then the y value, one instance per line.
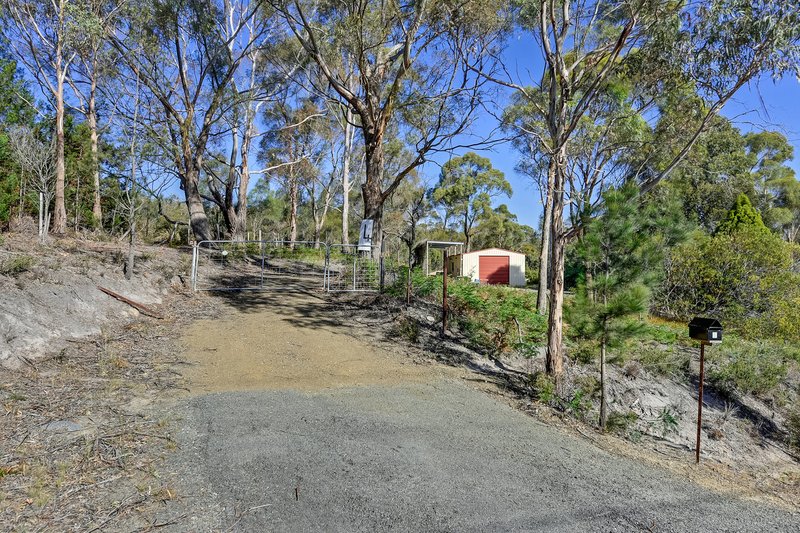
pixel 224 265
pixel 255 265
pixel 348 269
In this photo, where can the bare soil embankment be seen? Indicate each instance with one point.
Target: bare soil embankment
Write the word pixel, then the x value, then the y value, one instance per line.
pixel 50 293
pixel 81 446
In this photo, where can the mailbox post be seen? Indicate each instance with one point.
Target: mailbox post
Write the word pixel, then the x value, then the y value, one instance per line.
pixel 707 331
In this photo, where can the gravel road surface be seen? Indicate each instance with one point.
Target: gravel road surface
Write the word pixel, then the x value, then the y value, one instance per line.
pixel 424 451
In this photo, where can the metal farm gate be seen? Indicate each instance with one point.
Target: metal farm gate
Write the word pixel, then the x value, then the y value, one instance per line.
pixel 348 269
pixel 224 265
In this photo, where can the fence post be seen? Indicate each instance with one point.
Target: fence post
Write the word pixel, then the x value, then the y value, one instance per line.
pixel 327 263
pixel 382 271
pixel 194 266
pixel 355 259
pixel 261 244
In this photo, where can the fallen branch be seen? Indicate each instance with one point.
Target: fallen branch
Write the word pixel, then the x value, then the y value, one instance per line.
pixel 136 305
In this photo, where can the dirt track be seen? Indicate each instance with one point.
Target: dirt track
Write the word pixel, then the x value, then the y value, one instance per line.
pixel 267 348
pixel 293 424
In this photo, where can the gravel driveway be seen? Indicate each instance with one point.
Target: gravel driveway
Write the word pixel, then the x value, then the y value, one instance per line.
pixel 386 445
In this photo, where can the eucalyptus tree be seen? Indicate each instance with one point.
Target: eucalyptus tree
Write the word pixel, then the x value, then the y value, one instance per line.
pixel 37 32
pixel 775 182
pixel 321 188
pixel 500 228
pixel 293 147
pixel 186 55
pixel 406 70
pixel 598 156
pixel 467 185
pixel 87 23
pixel 713 47
pixel 271 61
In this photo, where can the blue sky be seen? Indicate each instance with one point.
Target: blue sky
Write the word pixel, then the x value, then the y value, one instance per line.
pixel 762 105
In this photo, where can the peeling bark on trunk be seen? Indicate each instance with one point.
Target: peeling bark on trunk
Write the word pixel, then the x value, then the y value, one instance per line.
pixel 60 220
pixel 197 213
pixel 239 228
pixel 544 253
pixel 555 330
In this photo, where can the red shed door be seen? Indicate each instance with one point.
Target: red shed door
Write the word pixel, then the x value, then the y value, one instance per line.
pixel 493 269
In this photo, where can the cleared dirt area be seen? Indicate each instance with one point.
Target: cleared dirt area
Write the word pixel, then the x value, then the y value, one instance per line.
pixel 294 422
pixel 269 348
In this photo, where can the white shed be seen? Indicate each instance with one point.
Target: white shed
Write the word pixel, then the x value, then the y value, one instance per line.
pixel 492 265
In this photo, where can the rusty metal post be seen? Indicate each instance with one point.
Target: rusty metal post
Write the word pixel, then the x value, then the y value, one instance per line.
pixel 700 401
pixel 444 293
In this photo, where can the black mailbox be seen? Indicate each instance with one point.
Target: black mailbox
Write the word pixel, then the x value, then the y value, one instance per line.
pixel 706 330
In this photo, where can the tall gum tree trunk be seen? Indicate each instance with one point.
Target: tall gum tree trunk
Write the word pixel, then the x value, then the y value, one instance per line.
pixel 60 221
pixel 293 204
pixel 317 224
pixel 97 208
pixel 348 148
pixel 197 214
pixel 372 193
pixel 240 217
pixel 555 350
pixel 544 253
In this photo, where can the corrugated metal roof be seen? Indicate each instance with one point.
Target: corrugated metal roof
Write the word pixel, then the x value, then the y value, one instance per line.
pixel 490 249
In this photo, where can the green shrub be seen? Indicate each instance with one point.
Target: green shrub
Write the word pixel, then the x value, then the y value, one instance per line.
pixel 584 351
pixel 406 328
pixel 747 367
pixel 424 286
pixel 495 318
pixel 620 423
pixel 668 421
pixel 580 403
pixel 17 265
pixel 544 389
pixel 745 278
pixel 667 361
pixel 590 385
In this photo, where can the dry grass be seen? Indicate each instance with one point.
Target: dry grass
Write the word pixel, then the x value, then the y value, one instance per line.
pixel 102 473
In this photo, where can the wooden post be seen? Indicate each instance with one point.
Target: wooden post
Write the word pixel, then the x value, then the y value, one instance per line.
pixel 700 401
pixel 444 293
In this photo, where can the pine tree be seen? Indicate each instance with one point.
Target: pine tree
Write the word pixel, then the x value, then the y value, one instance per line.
pixel 741 215
pixel 622 250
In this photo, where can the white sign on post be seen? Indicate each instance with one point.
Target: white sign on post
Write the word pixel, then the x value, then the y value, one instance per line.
pixel 365 236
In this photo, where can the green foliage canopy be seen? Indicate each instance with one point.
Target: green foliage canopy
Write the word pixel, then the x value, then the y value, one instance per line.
pixel 466 187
